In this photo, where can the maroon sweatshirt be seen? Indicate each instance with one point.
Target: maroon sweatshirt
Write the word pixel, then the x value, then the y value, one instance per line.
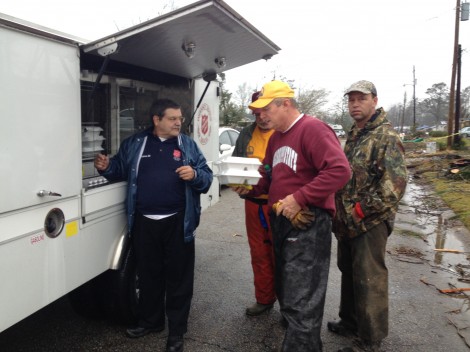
pixel 306 161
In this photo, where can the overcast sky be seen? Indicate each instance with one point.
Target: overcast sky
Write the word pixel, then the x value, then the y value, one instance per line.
pixel 325 44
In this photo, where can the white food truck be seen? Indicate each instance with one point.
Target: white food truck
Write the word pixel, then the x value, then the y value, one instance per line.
pixel 63 99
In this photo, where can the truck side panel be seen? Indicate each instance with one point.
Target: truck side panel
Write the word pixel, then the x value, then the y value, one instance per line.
pixel 206 132
pixel 40 114
pixel 40 151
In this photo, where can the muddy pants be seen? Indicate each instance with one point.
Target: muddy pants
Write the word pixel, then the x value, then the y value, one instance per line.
pixel 165 265
pixel 302 266
pixel 261 250
pixel 364 283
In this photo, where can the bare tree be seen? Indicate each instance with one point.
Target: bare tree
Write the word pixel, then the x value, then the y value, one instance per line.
pixel 437 104
pixel 168 7
pixel 396 116
pixel 339 114
pixel 230 113
pixel 311 101
pixel 465 104
pixel 243 95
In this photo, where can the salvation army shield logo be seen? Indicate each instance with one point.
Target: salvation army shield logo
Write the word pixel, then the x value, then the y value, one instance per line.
pixel 204 119
pixel 204 124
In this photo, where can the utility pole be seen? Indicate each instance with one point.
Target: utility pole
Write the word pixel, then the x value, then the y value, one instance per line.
pixel 413 127
pixel 457 99
pixel 464 15
pixel 402 122
pixel 450 118
pixel 414 99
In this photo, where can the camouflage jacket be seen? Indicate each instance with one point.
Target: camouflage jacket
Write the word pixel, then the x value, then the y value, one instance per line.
pixel 378 181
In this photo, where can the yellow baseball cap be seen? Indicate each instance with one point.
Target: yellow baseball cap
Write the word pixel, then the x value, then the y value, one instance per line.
pixel 270 91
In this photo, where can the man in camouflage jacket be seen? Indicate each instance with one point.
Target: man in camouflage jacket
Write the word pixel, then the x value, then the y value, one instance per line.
pixel 366 209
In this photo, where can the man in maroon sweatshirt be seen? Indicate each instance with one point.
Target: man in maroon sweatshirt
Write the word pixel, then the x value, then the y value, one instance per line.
pixel 303 168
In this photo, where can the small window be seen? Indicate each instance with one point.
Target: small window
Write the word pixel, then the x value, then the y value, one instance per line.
pixel 233 137
pixel 224 138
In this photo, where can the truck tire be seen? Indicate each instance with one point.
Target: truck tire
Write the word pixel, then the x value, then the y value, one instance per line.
pixel 113 294
pixel 125 283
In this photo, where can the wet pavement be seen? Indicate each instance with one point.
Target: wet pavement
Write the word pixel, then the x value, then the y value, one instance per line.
pixel 421 318
pixel 423 214
pixel 427 233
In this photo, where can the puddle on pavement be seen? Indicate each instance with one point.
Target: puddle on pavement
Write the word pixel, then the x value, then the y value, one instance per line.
pixel 422 214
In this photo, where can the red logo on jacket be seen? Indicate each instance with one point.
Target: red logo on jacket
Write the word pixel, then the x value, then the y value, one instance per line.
pixel 177 155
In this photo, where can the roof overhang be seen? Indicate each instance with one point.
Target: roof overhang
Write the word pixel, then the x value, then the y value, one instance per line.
pixel 36 29
pixel 222 40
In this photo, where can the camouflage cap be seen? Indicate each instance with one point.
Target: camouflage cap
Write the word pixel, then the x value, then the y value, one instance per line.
pixel 365 87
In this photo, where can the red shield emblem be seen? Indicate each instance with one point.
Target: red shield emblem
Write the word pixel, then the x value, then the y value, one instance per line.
pixel 204 124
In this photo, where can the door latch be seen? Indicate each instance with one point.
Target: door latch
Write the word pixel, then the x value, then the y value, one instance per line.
pixel 43 193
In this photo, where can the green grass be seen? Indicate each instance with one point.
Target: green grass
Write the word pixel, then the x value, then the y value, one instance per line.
pixel 453 190
pixel 456 194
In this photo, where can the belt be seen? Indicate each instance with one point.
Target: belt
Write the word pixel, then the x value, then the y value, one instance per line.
pixel 259 201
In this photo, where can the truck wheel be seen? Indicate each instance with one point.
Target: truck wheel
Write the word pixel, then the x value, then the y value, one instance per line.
pixel 126 290
pixel 115 294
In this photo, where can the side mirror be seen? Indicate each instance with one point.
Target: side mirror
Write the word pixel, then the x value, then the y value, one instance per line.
pixel 224 147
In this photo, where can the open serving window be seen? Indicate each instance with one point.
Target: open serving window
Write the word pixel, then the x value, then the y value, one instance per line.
pixel 123 73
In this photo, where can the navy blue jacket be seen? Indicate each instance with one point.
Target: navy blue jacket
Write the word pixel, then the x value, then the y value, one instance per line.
pixel 124 165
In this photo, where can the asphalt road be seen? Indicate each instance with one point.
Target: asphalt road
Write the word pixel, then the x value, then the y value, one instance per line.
pixel 421 318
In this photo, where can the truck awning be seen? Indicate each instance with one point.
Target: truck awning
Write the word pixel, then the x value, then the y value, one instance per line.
pixel 202 38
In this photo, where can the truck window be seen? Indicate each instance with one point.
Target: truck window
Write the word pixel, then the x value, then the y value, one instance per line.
pixel 114 110
pixel 133 110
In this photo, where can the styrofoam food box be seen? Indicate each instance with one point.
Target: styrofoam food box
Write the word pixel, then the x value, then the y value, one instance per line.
pixel 91 132
pixel 238 170
pixel 246 179
pixel 238 163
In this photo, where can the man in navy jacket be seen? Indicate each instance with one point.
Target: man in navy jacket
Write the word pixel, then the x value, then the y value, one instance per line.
pixel 166 174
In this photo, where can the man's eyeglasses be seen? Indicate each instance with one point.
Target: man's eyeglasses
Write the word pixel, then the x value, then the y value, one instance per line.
pixel 175 118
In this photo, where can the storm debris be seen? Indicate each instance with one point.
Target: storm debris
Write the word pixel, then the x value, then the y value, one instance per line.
pixel 454 290
pixel 449 250
pixel 406 254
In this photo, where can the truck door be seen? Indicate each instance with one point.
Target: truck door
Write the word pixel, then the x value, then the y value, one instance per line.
pixel 40 164
pixel 40 114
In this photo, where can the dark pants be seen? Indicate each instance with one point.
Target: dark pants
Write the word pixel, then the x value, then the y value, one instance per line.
pixel 364 283
pixel 165 265
pixel 301 274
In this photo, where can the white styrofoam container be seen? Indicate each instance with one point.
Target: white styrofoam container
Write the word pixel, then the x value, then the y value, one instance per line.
pixel 91 132
pixel 238 163
pixel 237 170
pixel 88 143
pixel 238 180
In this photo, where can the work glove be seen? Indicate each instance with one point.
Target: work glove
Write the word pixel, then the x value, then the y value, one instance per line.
pixel 301 220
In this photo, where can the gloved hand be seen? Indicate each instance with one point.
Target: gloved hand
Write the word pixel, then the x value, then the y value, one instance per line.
pixel 301 220
pixel 275 206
